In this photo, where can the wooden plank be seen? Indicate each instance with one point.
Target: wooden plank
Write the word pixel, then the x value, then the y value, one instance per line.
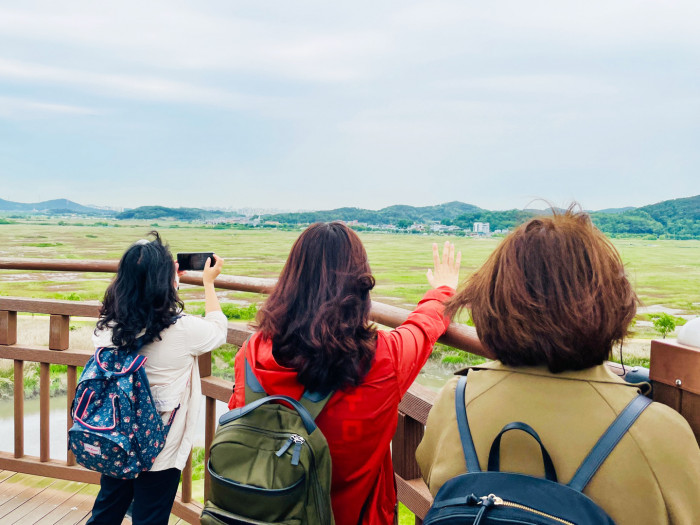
pixel 43 354
pixel 204 362
pixel 51 306
pixel 75 508
pixel 51 468
pixel 60 265
pixel 675 365
pixel 414 494
pixel 408 434
pixel 238 333
pixel 59 332
pixel 11 487
pixel 50 499
pixel 4 474
pixel 187 511
pixel 417 402
pixel 217 388
pixel 19 408
pixel 125 521
pixel 8 328
pixel 71 382
pixel 24 500
pixel 44 411
pixel 187 480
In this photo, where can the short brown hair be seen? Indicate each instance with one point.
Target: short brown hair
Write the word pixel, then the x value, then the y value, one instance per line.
pixel 317 316
pixel 554 292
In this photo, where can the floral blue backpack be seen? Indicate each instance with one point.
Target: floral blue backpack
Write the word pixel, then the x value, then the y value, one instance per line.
pixel 116 428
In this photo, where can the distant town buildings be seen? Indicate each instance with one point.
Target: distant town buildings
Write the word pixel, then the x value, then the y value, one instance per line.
pixel 482 228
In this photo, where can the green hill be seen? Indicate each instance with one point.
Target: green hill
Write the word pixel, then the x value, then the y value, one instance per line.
pixel 390 215
pixel 162 212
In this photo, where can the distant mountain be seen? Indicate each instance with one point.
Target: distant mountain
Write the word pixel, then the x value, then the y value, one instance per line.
pixel 180 214
pixel 674 219
pixel 55 206
pixel 390 215
pixel 679 218
pixel 615 210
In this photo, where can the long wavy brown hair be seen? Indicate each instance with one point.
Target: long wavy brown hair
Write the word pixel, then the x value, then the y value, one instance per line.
pixel 317 316
pixel 553 293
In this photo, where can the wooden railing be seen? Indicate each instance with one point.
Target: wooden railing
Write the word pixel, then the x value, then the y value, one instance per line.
pixel 413 410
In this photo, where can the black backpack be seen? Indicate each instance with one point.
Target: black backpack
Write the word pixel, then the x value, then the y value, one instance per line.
pixel 495 497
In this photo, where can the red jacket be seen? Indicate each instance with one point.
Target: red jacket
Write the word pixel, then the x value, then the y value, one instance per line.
pixel 360 422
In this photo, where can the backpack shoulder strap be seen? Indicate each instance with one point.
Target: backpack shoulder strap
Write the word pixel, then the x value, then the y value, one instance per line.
pixel 463 425
pixel 313 402
pixel 608 441
pixel 253 388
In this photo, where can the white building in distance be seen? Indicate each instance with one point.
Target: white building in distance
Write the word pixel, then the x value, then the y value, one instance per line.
pixel 482 228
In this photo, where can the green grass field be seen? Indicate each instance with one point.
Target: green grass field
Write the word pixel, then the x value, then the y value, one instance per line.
pixel 664 273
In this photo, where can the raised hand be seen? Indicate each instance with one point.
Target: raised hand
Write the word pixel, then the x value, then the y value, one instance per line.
pixel 446 271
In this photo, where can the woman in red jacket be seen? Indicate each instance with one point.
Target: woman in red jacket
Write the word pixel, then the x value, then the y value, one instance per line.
pixel 314 334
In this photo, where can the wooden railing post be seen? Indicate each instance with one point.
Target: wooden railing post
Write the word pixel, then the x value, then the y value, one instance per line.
pixel 59 334
pixel 209 429
pixel 19 408
pixel 187 481
pixel 408 434
pixel 8 328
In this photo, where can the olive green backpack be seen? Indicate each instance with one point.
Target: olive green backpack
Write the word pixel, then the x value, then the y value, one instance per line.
pixel 270 464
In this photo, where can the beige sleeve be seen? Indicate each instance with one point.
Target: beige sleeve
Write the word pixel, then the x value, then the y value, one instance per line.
pixel 439 454
pixel 674 457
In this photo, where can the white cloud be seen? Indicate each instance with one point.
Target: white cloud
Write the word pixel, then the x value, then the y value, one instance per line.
pixel 21 108
pixel 143 87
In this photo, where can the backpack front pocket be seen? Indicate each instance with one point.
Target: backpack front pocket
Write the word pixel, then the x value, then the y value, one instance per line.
pixel 213 515
pixel 267 505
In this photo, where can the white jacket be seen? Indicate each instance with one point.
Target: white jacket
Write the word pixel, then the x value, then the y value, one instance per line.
pixel 173 374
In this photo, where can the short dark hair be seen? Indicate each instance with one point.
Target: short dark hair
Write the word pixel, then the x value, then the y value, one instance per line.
pixel 142 295
pixel 553 293
pixel 317 316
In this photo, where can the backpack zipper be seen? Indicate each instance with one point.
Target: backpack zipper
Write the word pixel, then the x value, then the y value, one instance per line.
pixel 495 500
pixel 297 441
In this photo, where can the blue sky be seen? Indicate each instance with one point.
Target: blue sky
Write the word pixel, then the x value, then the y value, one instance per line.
pixel 316 104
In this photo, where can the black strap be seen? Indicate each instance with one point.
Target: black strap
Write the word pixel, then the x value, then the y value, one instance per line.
pixel 463 426
pixel 236 413
pixel 608 441
pixel 495 454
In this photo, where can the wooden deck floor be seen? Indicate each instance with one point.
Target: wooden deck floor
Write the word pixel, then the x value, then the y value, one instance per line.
pixel 27 500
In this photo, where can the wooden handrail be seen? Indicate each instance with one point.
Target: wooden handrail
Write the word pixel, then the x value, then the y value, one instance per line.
pixel 458 335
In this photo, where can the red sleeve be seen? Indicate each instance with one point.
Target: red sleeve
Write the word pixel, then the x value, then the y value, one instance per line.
pixel 411 343
pixel 238 396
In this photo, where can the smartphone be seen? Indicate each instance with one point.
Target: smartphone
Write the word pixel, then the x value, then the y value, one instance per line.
pixel 194 261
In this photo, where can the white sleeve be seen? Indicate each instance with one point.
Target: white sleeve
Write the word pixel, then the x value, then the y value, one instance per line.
pixel 205 333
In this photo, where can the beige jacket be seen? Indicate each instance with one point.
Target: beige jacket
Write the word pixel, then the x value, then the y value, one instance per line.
pixel 173 375
pixel 651 477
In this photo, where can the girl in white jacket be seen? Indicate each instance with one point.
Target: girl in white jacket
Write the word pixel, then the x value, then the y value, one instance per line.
pixel 142 302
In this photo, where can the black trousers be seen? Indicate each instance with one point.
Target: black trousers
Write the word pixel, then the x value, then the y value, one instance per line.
pixel 153 494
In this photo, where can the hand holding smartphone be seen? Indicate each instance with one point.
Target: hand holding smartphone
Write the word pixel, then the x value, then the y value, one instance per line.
pixel 194 261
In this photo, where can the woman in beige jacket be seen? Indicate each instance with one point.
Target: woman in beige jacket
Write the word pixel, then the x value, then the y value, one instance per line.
pixel 550 303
